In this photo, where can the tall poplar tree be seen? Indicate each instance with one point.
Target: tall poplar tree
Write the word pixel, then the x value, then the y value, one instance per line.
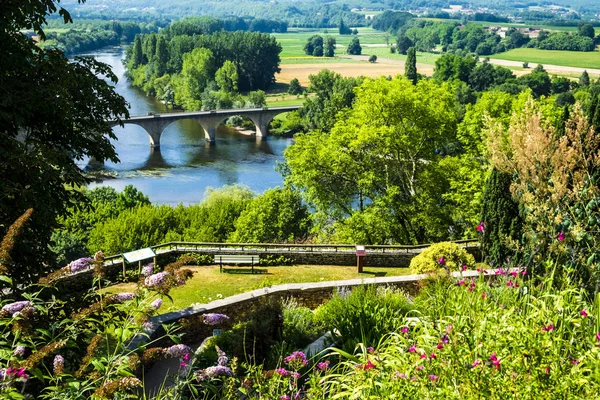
pixel 410 68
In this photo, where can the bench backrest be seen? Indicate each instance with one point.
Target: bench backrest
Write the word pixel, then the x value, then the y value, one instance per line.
pixel 234 258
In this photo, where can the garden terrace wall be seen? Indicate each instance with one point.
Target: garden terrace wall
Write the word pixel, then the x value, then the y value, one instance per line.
pixel 305 294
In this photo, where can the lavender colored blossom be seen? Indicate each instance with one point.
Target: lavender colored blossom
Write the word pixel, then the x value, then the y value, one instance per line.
pixel 215 319
pixel 223 359
pixel 148 270
pixel 218 370
pixel 121 297
pixel 80 264
pixel 147 325
pixel 58 364
pixel 20 351
pixel 322 366
pixel 297 358
pixel 158 279
pixel 282 371
pixel 285 397
pixel 178 351
pixel 16 306
pixel 156 304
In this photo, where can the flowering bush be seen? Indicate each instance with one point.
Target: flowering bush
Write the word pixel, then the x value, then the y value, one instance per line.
pixel 446 255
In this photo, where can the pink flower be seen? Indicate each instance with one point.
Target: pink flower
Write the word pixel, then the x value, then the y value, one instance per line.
pixel 404 329
pixel 495 361
pixel 368 365
pixel 370 350
pixel 481 227
pixel 514 274
pixel 464 267
pixel 442 260
pixel 432 356
pixel 420 368
pixel 548 328
pixel 413 348
pixel 322 366
pixel 574 362
pixel 433 377
pixel 561 236
pixel 423 355
pixel 483 295
pixel 598 336
pixel 461 282
pixel 440 346
pixel 400 375
pixel 583 313
pixel 476 363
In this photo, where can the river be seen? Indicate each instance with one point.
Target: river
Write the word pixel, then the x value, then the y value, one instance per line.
pixel 185 165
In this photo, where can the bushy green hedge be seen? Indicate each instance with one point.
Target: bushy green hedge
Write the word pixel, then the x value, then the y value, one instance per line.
pixel 446 255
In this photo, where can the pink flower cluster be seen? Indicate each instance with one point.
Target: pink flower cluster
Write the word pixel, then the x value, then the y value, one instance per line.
pixel 296 360
pixel 17 374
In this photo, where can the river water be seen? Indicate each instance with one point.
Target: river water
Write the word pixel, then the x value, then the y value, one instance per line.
pixel 185 165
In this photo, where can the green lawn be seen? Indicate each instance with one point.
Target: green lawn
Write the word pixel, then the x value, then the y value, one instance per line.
pixel 208 284
pixel 278 101
pixel 509 24
pixel 553 57
pixel 384 52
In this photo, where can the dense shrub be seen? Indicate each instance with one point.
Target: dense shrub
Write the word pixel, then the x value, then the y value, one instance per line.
pixel 445 255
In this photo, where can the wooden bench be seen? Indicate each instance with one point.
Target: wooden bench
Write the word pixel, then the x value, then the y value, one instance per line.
pixel 236 259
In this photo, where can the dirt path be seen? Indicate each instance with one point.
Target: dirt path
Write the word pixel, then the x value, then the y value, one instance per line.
pixel 552 69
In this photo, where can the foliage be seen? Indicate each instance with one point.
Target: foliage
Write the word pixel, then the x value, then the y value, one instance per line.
pixel 42 144
pixel 502 222
pixel 354 47
pixel 300 326
pixel 372 58
pixel 410 67
pixel 391 20
pixel 270 260
pixel 295 87
pixel 446 255
pixel 363 315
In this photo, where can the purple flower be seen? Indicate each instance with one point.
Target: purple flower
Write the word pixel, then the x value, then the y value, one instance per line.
pixel 420 368
pixel 16 306
pixel 285 397
pixel 433 377
pixel 400 375
pixel 561 236
pixel 297 359
pixel 223 360
pixel 371 350
pixel 583 313
pixel 432 355
pixel 464 267
pixel 441 260
pixel 322 366
pixel 440 346
pixel 476 363
pixel 178 351
pixel 282 371
pixel 598 336
pixel 495 361
pixel 413 348
pixel 156 304
pixel 214 319
pixel 445 338
pixel 80 264
pixel 147 325
pixel 15 373
pixel 121 297
pixel 158 279
pixel 58 364
pixel 148 270
pixel 20 351
pixel 481 227
pixel 404 329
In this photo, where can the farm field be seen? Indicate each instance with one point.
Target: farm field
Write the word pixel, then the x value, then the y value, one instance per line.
pixel 509 24
pixel 209 284
pixel 576 59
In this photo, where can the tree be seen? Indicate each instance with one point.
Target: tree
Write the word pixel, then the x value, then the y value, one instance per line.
pixel 295 87
pixel 138 56
pixel 344 30
pixel 329 48
pixel 196 73
pixel 227 77
pixel 482 77
pixel 355 31
pixel 403 43
pixel 161 57
pixel 354 47
pixel 312 43
pixel 502 222
pixel 584 79
pixel 586 30
pixel 410 67
pixel 41 144
pixel 257 99
pixel 373 58
pixel 276 216
pixel 538 81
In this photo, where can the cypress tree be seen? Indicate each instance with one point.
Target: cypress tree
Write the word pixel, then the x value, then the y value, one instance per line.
pixel 410 68
pixel 161 57
pixel 138 56
pixel 501 218
pixel 584 79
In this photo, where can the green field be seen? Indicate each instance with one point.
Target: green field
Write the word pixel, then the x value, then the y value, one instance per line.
pixel 509 24
pixel 384 52
pixel 553 57
pixel 208 284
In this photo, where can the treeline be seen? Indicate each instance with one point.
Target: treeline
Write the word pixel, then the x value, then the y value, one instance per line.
pixel 120 222
pixel 203 71
pixel 95 34
pixel 206 25
pixel 473 38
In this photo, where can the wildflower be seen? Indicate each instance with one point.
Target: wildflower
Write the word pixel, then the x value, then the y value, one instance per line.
pixel 413 348
pixel 222 360
pixel 368 365
pixel 58 364
pixel 285 397
pixel 158 279
pixel 483 295
pixel 472 285
pixel 178 351
pixel 548 328
pixel 322 366
pixel 214 319
pixel 510 283
pixel 574 362
pixel 148 270
pixel 433 377
pixel 524 272
pixel 423 355
pixel 440 346
pixel 461 282
pixel 282 371
pixel 583 313
pixel 371 350
pixel 441 260
pixel 20 351
pixel 500 271
pixel 295 375
pixel 432 356
pixel 16 306
pixel 445 339
pixel 296 359
pixel 464 267
pixel 147 325
pixel 514 274
pixel 121 297
pixel 420 368
pixel 400 375
pixel 598 336
pixel 495 361
pixel 476 363
pixel 218 370
pixel 481 227
pixel 404 329
pixel 561 236
pixel 156 304
pixel 15 374
pixel 79 264
pixel 449 328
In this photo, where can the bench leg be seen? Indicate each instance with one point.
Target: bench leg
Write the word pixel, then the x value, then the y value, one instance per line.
pixel 252 264
pixel 220 266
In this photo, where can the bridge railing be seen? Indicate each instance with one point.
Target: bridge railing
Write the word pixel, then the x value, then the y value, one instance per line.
pixel 199 247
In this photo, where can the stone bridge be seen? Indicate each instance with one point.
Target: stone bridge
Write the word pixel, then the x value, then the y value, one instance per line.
pixel 155 124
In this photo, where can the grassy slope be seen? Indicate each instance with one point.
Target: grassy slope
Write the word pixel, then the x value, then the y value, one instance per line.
pixel 208 283
pixel 553 57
